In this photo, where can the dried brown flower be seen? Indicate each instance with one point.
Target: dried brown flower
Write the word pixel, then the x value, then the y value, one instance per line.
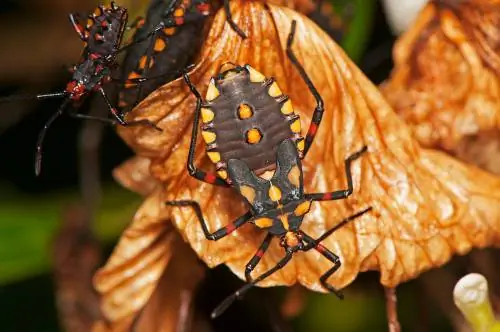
pixel 427 206
pixel 445 82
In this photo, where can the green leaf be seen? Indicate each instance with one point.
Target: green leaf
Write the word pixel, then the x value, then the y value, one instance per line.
pixel 28 225
pixel 355 40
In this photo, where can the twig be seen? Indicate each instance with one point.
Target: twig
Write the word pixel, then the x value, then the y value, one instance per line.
pixel 392 311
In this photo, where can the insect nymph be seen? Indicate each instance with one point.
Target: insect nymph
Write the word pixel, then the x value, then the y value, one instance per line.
pixel 250 128
pixel 102 35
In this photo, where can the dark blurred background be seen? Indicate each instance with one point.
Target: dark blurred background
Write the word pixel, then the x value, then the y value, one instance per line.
pixel 37 42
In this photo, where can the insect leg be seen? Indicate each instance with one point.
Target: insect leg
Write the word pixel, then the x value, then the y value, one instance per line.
pixel 41 135
pixel 119 116
pixel 218 234
pixel 339 194
pixel 73 18
pixel 332 258
pixel 229 19
pixel 319 109
pixel 240 292
pixel 208 177
pixel 257 257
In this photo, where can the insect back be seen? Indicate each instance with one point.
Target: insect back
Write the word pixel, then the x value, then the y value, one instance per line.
pixel 245 117
pixel 172 49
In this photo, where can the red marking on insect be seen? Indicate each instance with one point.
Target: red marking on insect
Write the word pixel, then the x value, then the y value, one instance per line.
pixel 312 129
pixel 104 23
pixel 260 253
pixel 94 56
pixel 179 20
pixel 210 177
pixel 75 90
pixel 327 196
pixel 320 248
pixel 230 228
pixel 203 8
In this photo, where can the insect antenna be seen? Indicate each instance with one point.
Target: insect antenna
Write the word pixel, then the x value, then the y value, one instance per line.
pixel 42 96
pixel 41 135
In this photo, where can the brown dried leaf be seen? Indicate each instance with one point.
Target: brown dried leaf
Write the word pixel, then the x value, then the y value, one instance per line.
pixel 134 175
pixel 131 274
pixel 427 206
pixel 445 82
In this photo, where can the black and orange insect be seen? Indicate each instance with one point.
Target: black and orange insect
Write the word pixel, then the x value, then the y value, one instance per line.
pixel 172 48
pixel 102 34
pixel 250 128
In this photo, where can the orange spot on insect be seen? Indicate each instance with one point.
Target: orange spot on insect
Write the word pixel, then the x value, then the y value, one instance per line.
pixel 222 173
pixel 169 31
pixel 179 12
pixel 244 111
pixel 207 115
pixel 287 107
pixel 253 136
pixel 302 208
pixel 295 126
pixel 143 60
pixel 263 222
pixel 284 221
pixel 214 156
pixel 255 76
pixel 274 90
pixel 90 22
pixel 300 145
pixel 274 193
pixel 160 45
pixel 208 136
pixel 247 192
pixel 97 11
pixel 132 76
pixel 294 176
pixel 212 91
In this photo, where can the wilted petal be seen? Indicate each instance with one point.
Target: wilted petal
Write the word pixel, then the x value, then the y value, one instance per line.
pixel 134 175
pixel 427 206
pixel 445 82
pixel 132 272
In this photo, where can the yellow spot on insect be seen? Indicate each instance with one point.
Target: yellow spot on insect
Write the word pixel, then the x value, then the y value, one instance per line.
pixel 208 136
pixel 274 193
pixel 169 31
pixel 287 107
pixel 207 115
pixel 244 111
pixel 295 126
pixel 248 193
pixel 223 174
pixel 90 22
pixel 160 45
pixel 274 90
pixel 253 136
pixel 212 91
pixel 284 221
pixel 302 208
pixel 263 222
pixel 132 76
pixel 214 156
pixel 143 60
pixel 294 176
pixel 255 76
pixel 301 145
pixel 97 11
pixel 179 12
